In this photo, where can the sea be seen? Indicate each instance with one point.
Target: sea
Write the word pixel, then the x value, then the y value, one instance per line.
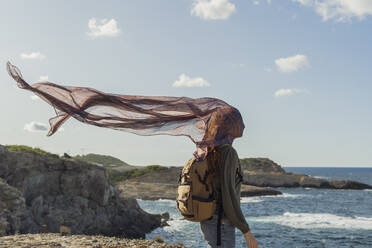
pixel 300 218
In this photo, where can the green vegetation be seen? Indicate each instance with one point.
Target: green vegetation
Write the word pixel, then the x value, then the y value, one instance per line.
pixel 28 149
pixel 260 164
pixel 116 176
pixel 101 159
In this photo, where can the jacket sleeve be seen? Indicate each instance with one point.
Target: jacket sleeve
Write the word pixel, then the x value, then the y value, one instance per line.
pixel 231 191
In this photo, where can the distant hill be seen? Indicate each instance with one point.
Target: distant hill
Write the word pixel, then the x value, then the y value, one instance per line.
pixel 117 169
pixel 260 165
pixel 103 160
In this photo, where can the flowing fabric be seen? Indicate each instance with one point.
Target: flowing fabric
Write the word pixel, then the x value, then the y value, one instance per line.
pixel 206 121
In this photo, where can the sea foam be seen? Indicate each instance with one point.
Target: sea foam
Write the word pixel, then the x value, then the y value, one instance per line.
pixel 317 220
pixel 284 195
pixel 254 199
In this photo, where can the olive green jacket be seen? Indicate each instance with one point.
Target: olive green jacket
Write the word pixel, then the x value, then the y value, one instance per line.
pixel 229 183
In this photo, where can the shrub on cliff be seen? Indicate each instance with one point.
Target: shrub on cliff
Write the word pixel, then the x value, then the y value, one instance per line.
pixel 116 176
pixel 28 149
pixel 104 160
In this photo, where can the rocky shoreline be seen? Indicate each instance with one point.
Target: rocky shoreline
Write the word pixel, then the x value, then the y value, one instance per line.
pixel 54 240
pixel 291 180
pixel 43 195
pixel 155 191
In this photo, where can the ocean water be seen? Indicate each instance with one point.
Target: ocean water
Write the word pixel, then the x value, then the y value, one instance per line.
pixel 301 217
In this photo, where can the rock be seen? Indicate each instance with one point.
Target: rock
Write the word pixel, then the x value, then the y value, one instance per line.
pixel 64 230
pixel 347 184
pixel 164 218
pixel 158 239
pixel 65 192
pixel 12 206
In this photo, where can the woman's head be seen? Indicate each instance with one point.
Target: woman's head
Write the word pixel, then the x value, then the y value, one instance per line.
pixel 224 126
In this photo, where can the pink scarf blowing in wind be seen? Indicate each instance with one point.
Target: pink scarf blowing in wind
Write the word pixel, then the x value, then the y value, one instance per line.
pixel 206 121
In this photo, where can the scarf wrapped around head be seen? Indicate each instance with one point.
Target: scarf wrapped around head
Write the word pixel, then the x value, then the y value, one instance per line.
pixel 206 121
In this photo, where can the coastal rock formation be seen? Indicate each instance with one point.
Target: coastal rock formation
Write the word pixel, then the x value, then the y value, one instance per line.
pixel 249 190
pixel 147 191
pixel 260 165
pixel 264 172
pixel 298 180
pixel 261 172
pixel 168 176
pixel 64 192
pixel 154 191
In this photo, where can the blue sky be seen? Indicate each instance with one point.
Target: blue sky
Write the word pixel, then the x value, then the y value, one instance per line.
pixel 298 70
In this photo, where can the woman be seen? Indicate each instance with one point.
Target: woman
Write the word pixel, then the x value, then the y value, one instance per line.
pixel 208 122
pixel 219 231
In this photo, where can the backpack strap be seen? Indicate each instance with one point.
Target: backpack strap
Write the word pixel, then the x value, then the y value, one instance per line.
pixel 215 168
pixel 203 180
pixel 219 219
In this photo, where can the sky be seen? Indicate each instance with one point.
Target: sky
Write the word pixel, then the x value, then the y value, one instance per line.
pixel 299 71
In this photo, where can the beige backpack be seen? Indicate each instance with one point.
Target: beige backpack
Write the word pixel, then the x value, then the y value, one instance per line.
pixel 196 198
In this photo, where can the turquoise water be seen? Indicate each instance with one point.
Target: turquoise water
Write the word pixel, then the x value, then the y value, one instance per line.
pixel 301 217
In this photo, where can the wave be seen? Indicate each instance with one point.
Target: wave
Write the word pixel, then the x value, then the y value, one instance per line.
pixel 285 195
pixel 254 199
pixel 158 201
pixel 317 220
pixel 166 201
pixel 322 177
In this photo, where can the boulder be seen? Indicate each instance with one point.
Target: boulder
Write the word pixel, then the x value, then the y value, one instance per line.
pixel 65 192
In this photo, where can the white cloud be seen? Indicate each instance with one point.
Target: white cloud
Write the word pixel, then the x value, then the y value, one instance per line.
pixel 35 127
pixel 33 55
pixel 340 10
pixel 34 97
pixel 213 9
pixel 290 92
pixel 241 65
pixel 105 28
pixel 292 64
pixel 44 78
pixel 186 81
pixel 304 2
pixel 256 2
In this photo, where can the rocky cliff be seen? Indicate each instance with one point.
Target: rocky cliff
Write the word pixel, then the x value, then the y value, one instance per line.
pixel 41 193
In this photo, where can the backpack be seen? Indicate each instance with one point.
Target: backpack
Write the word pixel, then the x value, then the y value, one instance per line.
pixel 196 199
